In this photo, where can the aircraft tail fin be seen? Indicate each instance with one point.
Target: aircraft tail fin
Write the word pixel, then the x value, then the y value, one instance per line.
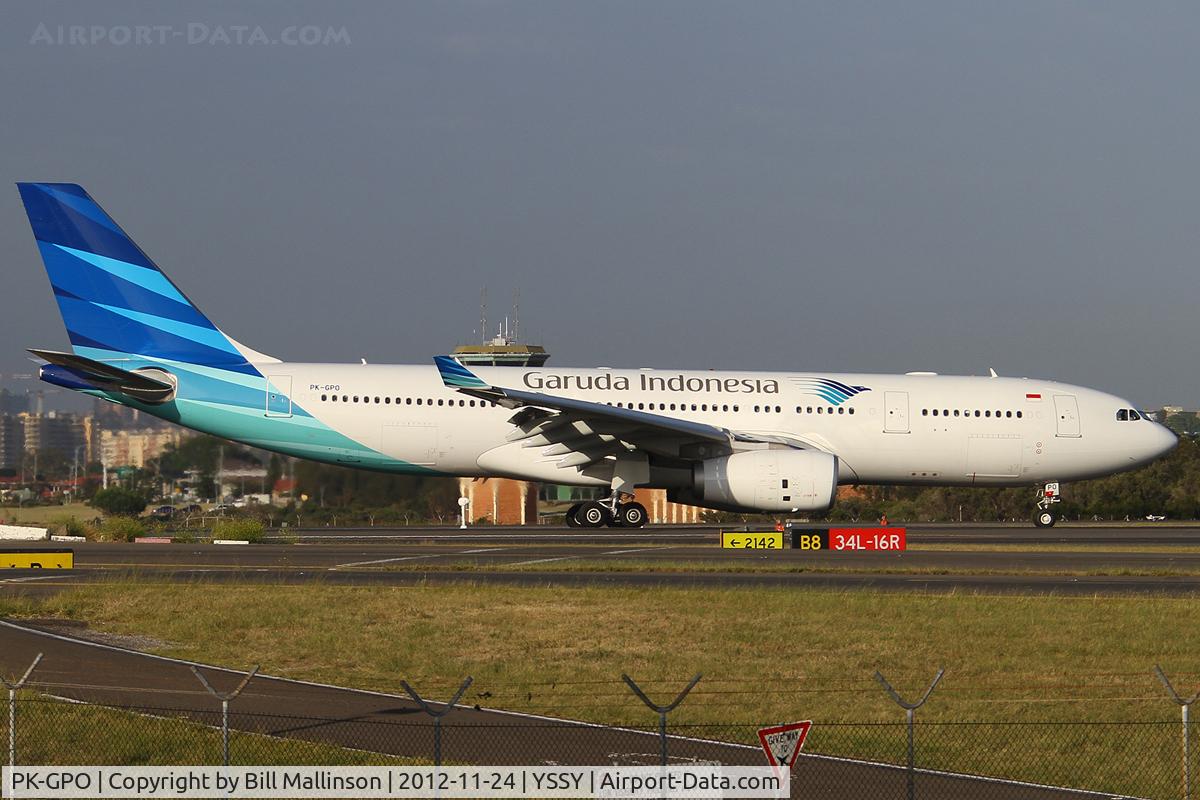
pixel 456 376
pixel 114 300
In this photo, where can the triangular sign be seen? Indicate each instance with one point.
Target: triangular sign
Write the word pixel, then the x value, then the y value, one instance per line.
pixel 782 743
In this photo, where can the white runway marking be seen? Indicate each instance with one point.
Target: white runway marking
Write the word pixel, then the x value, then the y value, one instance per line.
pixel 384 561
pixel 539 561
pixel 35 578
pixel 635 550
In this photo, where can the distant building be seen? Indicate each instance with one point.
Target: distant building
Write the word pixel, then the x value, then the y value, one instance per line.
pixel 66 434
pixel 12 441
pixel 500 501
pixel 123 448
pixel 116 417
pixel 661 511
pixel 12 403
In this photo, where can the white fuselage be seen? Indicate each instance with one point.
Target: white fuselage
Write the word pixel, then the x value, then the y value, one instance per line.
pixel 912 429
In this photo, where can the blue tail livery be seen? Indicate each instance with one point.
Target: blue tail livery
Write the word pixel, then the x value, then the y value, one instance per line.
pixel 113 298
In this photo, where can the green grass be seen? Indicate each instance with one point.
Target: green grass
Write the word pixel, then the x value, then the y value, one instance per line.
pixel 768 655
pixel 51 732
pixel 41 516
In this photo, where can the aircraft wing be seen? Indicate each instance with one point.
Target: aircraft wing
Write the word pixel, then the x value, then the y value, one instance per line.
pixel 584 432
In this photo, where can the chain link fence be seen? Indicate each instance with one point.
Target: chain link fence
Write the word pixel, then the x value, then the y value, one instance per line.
pixel 1028 760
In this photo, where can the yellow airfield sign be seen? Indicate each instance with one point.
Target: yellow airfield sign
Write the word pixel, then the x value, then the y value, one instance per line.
pixel 23 558
pixel 753 540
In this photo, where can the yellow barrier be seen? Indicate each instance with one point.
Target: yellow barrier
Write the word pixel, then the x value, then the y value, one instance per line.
pixel 37 559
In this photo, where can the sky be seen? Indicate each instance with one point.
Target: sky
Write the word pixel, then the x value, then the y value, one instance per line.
pixel 835 186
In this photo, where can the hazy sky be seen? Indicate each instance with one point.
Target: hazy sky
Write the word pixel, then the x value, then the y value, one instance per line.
pixel 820 186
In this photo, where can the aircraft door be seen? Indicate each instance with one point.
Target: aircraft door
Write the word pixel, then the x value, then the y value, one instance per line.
pixel 1066 410
pixel 279 395
pixel 895 412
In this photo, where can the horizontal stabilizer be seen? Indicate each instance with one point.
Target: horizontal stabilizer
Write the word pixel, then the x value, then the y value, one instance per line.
pixel 74 371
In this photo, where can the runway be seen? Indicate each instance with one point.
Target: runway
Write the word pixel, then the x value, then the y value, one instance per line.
pixel 1065 560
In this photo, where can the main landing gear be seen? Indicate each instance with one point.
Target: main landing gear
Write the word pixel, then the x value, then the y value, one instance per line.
pixel 1043 516
pixel 610 511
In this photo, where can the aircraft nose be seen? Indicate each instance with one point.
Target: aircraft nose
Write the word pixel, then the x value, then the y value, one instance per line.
pixel 1162 440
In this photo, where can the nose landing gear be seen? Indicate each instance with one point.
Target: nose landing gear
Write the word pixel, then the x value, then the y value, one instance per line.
pixel 1044 516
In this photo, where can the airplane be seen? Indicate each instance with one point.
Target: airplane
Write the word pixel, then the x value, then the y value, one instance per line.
pixel 773 442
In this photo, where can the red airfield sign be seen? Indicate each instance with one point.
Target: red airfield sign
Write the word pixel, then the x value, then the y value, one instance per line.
pixel 782 743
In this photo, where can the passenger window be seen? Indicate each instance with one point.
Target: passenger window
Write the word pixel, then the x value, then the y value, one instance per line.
pixel 841 410
pixel 756 409
pixel 777 409
pixel 924 412
pixel 987 413
pixel 852 411
pixel 956 412
pixel 322 398
pixel 735 408
pixel 1018 415
pixel 977 413
pixel 818 409
pixel 1008 414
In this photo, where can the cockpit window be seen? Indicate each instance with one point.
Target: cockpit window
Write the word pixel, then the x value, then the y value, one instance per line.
pixel 1122 414
pixel 1133 414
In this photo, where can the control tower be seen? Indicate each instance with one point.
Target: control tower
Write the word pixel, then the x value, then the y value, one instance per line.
pixel 501 501
pixel 503 349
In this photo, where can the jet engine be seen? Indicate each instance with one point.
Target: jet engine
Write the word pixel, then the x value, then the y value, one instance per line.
pixel 763 480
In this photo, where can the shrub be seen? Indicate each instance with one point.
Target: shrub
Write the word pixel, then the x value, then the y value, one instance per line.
pixel 119 500
pixel 67 525
pixel 121 529
pixel 245 530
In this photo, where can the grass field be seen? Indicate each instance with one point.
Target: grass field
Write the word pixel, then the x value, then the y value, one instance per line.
pixel 53 732
pixel 766 653
pixel 40 516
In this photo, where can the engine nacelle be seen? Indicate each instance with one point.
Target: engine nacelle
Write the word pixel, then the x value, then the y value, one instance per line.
pixel 766 480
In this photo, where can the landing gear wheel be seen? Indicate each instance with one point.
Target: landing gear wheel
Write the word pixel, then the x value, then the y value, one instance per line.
pixel 572 520
pixel 632 515
pixel 593 515
pixel 1044 518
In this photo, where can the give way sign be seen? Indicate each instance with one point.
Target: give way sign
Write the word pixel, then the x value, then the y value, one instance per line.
pixel 783 742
